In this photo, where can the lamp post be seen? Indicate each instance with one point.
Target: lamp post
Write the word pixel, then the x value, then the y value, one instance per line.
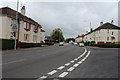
pixel 15 46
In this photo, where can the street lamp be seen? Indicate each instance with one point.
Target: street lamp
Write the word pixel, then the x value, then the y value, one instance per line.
pixel 15 46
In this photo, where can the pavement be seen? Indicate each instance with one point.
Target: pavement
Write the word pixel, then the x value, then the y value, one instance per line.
pixel 69 61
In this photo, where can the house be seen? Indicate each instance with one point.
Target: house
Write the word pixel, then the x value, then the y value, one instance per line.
pixel 42 36
pixel 29 31
pixel 79 38
pixel 105 33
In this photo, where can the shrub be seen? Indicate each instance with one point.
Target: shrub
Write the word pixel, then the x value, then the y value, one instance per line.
pixel 28 45
pixel 107 45
pixel 49 43
pixel 7 44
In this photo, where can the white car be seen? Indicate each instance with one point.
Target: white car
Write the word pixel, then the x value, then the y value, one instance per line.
pixel 75 43
pixel 81 44
pixel 61 44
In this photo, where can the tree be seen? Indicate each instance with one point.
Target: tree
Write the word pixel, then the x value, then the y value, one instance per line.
pixel 57 35
pixel 70 39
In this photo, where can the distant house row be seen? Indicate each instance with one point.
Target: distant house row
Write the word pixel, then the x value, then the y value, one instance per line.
pixel 29 31
pixel 106 33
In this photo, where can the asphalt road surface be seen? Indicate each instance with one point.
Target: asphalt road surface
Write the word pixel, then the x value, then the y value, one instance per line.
pixel 69 61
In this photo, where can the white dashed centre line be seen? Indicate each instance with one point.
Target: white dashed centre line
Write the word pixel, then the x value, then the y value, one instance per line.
pixel 72 61
pixel 71 69
pixel 52 72
pixel 75 65
pixel 63 74
pixel 61 67
pixel 43 77
pixel 76 59
pixel 79 62
pixel 67 64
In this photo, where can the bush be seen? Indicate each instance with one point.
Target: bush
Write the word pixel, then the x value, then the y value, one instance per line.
pixel 49 43
pixel 107 45
pixel 7 44
pixel 28 45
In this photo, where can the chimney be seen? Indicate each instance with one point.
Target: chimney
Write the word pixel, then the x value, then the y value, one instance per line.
pixel 23 10
pixel 112 21
pixel 91 30
pixel 101 23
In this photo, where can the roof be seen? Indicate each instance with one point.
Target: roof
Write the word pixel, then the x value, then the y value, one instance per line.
pixel 12 14
pixel 42 30
pixel 105 26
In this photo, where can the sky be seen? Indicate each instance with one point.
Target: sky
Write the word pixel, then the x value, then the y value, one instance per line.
pixel 73 18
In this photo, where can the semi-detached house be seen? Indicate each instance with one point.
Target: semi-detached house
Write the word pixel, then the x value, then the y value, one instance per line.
pixel 29 31
pixel 105 33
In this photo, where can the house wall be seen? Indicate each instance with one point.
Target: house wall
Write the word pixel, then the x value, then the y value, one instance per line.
pixel 78 39
pixel 103 35
pixel 42 36
pixel 6 30
pixel 31 33
pixel 6 27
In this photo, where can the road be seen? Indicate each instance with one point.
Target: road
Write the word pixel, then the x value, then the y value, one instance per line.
pixel 69 61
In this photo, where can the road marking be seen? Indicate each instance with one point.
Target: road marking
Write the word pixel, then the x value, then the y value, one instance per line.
pixel 14 61
pixel 43 77
pixel 71 69
pixel 75 65
pixel 63 74
pixel 52 72
pixel 83 60
pixel 79 62
pixel 76 59
pixel 61 67
pixel 72 61
pixel 67 64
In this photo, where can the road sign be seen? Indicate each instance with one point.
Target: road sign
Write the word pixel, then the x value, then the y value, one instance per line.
pixel 14 28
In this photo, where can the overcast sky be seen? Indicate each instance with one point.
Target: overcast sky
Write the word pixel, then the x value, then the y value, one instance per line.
pixel 72 17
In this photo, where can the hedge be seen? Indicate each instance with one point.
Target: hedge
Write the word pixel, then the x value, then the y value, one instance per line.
pixel 7 44
pixel 107 45
pixel 28 45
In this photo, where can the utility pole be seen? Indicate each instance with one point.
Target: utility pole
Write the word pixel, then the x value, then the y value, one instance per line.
pixel 15 46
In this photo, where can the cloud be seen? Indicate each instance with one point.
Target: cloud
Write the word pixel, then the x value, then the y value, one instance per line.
pixel 72 17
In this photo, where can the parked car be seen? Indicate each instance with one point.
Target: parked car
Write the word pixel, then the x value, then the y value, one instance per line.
pixel 61 44
pixel 81 44
pixel 75 43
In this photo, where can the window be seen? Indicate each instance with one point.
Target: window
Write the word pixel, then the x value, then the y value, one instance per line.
pixel 108 31
pixel 112 33
pixel 107 38
pixel 35 38
pixel 27 26
pixel 26 37
pixel 35 29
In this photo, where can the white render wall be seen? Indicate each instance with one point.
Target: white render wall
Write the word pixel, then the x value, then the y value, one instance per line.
pixel 6 29
pixel 42 36
pixel 31 33
pixel 102 34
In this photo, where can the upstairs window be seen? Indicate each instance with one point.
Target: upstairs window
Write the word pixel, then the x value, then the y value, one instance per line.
pixel 36 29
pixel 27 26
pixel 108 31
